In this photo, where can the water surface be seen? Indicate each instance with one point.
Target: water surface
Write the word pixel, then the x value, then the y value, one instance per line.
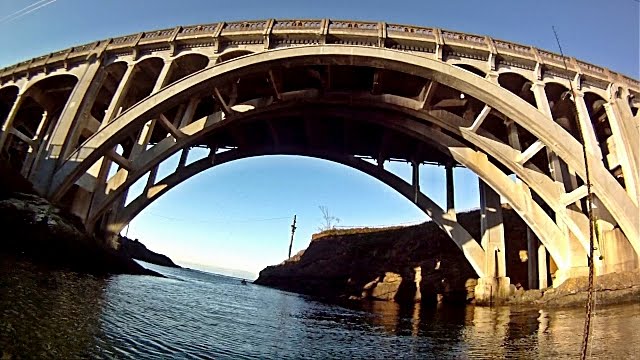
pixel 197 315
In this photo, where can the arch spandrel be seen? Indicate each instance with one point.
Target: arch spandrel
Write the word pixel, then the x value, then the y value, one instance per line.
pixel 517 109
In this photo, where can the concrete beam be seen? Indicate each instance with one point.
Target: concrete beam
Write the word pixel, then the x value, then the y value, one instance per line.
pixel 480 118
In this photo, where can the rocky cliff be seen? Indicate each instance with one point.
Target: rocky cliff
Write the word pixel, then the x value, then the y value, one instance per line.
pixel 34 229
pixel 135 249
pixel 404 264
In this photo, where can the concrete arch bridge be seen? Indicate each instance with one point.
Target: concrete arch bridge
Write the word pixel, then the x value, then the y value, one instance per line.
pixel 85 123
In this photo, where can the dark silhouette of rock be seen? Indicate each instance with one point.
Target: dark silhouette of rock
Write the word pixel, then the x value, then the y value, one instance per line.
pixel 135 249
pixel 381 264
pixel 34 229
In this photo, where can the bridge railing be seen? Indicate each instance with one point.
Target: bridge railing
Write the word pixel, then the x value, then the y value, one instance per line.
pixel 312 31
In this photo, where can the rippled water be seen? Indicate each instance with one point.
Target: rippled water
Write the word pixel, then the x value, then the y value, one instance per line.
pixel 196 315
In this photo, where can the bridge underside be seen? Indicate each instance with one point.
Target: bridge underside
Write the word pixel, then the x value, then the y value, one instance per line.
pixel 522 132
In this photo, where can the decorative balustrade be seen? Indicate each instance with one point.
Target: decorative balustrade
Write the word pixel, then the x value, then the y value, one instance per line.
pixel 40 59
pixel 408 37
pixel 509 46
pixel 297 25
pixel 124 40
pixel 552 56
pixel 591 68
pixel 83 48
pixel 407 29
pixel 158 34
pixel 352 25
pixel 244 26
pixel 198 30
pixel 462 37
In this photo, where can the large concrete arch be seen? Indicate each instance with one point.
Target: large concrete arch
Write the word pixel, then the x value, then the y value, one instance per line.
pixel 550 134
pixel 532 213
pixel 446 222
pixel 451 90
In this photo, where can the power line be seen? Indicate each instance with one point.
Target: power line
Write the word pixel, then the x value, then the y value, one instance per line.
pixel 217 220
pixel 26 10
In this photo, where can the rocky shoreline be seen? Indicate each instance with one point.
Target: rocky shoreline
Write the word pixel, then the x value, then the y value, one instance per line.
pixel 137 250
pixel 421 264
pixel 609 289
pixel 34 229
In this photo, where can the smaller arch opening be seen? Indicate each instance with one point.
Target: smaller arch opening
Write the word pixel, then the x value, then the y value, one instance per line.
pixel 8 96
pixel 519 85
pixel 143 81
pixel 563 108
pixel 186 65
pixel 602 129
pixel 472 69
pixel 634 102
pixel 232 55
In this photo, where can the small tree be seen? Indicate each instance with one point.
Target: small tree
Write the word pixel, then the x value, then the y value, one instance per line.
pixel 329 221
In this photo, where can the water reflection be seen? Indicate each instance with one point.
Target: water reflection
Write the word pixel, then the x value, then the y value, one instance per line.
pixel 196 315
pixel 47 314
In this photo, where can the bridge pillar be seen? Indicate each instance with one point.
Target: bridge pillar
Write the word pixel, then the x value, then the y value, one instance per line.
pixel 532 259
pixel 625 137
pixel 543 267
pixel 450 189
pixel 119 95
pixel 8 123
pixel 618 254
pixel 495 286
pixel 63 136
pixel 586 126
pixel 34 147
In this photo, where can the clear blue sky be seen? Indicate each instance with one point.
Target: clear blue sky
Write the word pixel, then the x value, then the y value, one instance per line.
pixel 238 215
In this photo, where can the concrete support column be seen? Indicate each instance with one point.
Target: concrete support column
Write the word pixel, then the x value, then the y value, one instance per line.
pixel 103 165
pixel 147 130
pixel 183 157
pixel 543 267
pixel 119 95
pixel 543 105
pixel 8 123
pixel 60 146
pixel 450 189
pixel 625 137
pixel 33 150
pixel 415 180
pixel 532 259
pixel 586 126
pixel 495 286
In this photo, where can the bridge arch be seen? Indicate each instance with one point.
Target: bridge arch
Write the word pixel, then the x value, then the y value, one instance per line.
pixel 484 141
pixel 446 222
pixel 467 157
pixel 495 97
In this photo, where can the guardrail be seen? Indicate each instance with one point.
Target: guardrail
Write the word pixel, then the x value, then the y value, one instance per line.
pixel 314 31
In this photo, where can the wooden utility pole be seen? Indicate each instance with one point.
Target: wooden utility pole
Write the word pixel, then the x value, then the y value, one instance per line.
pixel 293 230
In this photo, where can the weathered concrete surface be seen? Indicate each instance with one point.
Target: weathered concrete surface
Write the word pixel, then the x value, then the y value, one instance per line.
pixel 380 264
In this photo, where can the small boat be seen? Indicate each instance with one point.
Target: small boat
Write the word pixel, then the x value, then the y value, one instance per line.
pixel 243 282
